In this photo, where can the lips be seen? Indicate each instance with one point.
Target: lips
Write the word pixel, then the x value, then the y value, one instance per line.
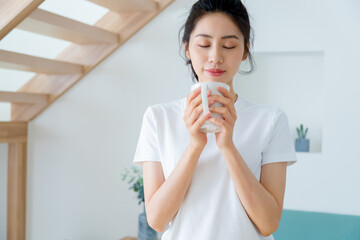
pixel 214 72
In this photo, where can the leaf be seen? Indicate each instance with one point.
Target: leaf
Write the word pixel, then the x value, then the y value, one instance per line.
pixel 135 180
pixel 123 177
pixel 132 179
pixel 305 132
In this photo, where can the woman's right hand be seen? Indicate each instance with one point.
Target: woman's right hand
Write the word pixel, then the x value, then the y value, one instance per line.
pixel 192 121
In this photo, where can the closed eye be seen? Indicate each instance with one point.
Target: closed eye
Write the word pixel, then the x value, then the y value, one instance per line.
pixel 205 46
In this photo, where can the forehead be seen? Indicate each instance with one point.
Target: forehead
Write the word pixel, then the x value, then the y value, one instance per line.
pixel 216 25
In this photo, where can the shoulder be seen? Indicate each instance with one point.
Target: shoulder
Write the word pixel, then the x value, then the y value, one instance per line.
pixel 168 109
pixel 265 112
pixel 254 108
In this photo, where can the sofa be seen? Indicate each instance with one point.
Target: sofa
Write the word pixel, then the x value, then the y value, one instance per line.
pixel 305 225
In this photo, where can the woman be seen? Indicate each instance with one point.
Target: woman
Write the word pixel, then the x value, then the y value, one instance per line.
pixel 228 185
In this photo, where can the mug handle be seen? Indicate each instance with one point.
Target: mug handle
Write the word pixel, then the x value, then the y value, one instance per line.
pixel 204 98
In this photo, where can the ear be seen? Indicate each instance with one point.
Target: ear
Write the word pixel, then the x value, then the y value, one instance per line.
pixel 247 52
pixel 187 53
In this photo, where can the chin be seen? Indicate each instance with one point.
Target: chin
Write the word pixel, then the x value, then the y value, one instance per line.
pixel 212 79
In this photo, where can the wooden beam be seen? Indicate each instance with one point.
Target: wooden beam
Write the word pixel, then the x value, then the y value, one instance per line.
pixel 12 12
pixel 30 63
pixel 11 132
pixel 122 6
pixel 21 97
pixel 57 26
pixel 125 24
pixel 16 194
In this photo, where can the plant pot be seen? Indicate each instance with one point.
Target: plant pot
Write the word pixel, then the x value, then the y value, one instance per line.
pixel 302 145
pixel 145 231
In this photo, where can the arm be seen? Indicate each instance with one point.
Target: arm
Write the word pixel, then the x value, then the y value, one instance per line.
pixel 163 198
pixel 263 201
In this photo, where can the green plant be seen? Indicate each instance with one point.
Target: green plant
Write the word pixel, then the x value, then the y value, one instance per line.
pixel 135 180
pixel 301 132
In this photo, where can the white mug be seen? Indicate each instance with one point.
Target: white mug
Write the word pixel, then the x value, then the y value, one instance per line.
pixel 210 127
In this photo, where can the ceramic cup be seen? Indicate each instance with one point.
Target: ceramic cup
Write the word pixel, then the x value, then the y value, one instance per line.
pixel 210 127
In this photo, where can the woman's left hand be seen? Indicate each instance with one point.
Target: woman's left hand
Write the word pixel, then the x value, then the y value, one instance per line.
pixel 225 137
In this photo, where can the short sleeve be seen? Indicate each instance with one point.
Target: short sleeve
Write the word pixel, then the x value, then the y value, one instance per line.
pixel 147 147
pixel 280 147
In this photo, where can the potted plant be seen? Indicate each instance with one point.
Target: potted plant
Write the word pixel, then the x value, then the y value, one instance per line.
pixel 135 179
pixel 301 143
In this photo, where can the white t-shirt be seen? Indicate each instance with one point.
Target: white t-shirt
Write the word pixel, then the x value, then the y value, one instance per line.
pixel 211 209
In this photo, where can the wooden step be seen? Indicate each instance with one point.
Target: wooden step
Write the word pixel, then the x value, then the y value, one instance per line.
pixel 11 132
pixel 57 26
pixel 21 97
pixel 126 25
pixel 23 62
pixel 122 6
pixel 13 12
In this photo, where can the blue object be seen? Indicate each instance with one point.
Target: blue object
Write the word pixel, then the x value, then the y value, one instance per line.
pixel 145 231
pixel 302 145
pixel 303 225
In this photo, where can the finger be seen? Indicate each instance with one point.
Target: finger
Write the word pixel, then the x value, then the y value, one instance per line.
pixel 192 95
pixel 221 122
pixel 224 112
pixel 220 99
pixel 226 93
pixel 192 105
pixel 195 102
pixel 194 115
pixel 226 102
pixel 200 121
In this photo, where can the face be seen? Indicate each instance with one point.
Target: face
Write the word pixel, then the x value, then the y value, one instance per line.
pixel 216 48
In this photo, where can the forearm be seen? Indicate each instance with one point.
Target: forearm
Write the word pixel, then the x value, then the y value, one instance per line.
pixel 259 204
pixel 167 200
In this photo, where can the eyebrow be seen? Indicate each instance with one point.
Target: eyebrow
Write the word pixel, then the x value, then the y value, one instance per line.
pixel 224 37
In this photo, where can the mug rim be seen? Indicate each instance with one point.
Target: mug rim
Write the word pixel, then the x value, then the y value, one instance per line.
pixel 196 85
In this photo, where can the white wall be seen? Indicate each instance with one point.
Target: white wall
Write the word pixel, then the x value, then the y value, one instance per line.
pixel 325 182
pixel 294 81
pixel 80 145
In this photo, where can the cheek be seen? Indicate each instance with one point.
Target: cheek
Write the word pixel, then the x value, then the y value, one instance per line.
pixel 197 58
pixel 236 58
pixel 198 53
pixel 235 61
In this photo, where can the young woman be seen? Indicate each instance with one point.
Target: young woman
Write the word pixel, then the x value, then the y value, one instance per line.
pixel 229 185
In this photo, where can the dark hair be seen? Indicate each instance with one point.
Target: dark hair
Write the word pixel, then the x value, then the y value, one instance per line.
pixel 232 8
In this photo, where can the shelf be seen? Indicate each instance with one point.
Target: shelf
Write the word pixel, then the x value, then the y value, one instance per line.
pixel 308 156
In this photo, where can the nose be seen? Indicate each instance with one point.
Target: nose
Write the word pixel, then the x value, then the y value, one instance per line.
pixel 215 56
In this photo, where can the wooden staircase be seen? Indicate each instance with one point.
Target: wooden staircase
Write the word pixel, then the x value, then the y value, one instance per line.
pixel 91 44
